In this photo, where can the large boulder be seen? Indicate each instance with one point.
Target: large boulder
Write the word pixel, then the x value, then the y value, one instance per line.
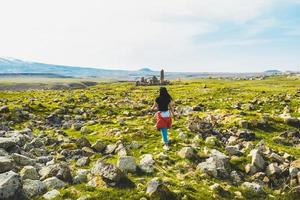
pixel 6 164
pixel 127 163
pixel 10 185
pixel 33 188
pixel 107 171
pixel 6 143
pixel 216 165
pixel 147 163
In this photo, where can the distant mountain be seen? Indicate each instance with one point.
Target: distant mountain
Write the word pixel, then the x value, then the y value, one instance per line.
pixel 16 67
pixel 272 71
pixel 12 66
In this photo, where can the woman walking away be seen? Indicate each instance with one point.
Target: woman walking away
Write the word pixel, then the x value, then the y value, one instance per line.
pixel 165 105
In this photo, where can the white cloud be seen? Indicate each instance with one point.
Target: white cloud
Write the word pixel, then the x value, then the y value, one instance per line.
pixel 117 33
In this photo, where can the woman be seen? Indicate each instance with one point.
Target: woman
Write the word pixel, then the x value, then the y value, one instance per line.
pixel 165 105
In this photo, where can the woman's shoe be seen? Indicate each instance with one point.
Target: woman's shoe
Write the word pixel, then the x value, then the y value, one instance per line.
pixel 166 147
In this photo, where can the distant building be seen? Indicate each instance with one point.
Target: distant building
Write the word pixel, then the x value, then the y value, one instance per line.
pixel 153 80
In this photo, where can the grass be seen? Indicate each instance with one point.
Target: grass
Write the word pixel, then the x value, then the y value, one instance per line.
pixel 218 99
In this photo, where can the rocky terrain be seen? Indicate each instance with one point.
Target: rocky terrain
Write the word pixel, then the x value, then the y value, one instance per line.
pixel 231 139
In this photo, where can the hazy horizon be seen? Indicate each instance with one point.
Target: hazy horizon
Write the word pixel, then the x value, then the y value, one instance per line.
pixel 179 36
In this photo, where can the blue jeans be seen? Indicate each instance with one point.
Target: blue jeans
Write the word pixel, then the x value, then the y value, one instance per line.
pixel 164 133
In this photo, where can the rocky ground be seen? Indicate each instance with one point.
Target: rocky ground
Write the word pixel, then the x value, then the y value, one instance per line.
pixel 230 140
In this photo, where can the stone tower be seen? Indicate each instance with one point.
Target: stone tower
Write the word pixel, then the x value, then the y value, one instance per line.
pixel 162 76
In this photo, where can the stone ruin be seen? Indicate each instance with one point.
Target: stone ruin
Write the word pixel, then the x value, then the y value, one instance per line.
pixel 153 80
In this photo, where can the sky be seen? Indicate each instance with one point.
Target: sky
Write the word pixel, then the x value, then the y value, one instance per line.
pixel 177 35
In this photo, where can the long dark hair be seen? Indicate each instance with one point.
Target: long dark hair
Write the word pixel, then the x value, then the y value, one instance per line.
pixel 164 94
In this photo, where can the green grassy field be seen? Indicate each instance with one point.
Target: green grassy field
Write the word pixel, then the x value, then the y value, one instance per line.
pixel 112 102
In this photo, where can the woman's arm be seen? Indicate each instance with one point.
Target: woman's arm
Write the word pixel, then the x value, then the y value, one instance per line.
pixel 154 106
pixel 171 108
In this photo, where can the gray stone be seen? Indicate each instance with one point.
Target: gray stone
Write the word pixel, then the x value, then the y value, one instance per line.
pixel 186 152
pixel 250 169
pixel 277 158
pixel 10 184
pixel 127 163
pixel 110 148
pixel 272 169
pixel 22 160
pixel 83 142
pixel 60 170
pixel 257 159
pixel 212 140
pixel 293 171
pixel 54 183
pixel 233 150
pixel 157 190
pixel 147 163
pixel 181 136
pixel 6 143
pixel 85 130
pixel 216 165
pixel 83 161
pixel 107 171
pixel 6 164
pixel 236 178
pixel 33 188
pixel 254 187
pixel 81 176
pixel 51 194
pixel 99 146
pixel 29 172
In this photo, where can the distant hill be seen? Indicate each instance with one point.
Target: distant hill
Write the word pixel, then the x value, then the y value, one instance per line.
pixel 146 70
